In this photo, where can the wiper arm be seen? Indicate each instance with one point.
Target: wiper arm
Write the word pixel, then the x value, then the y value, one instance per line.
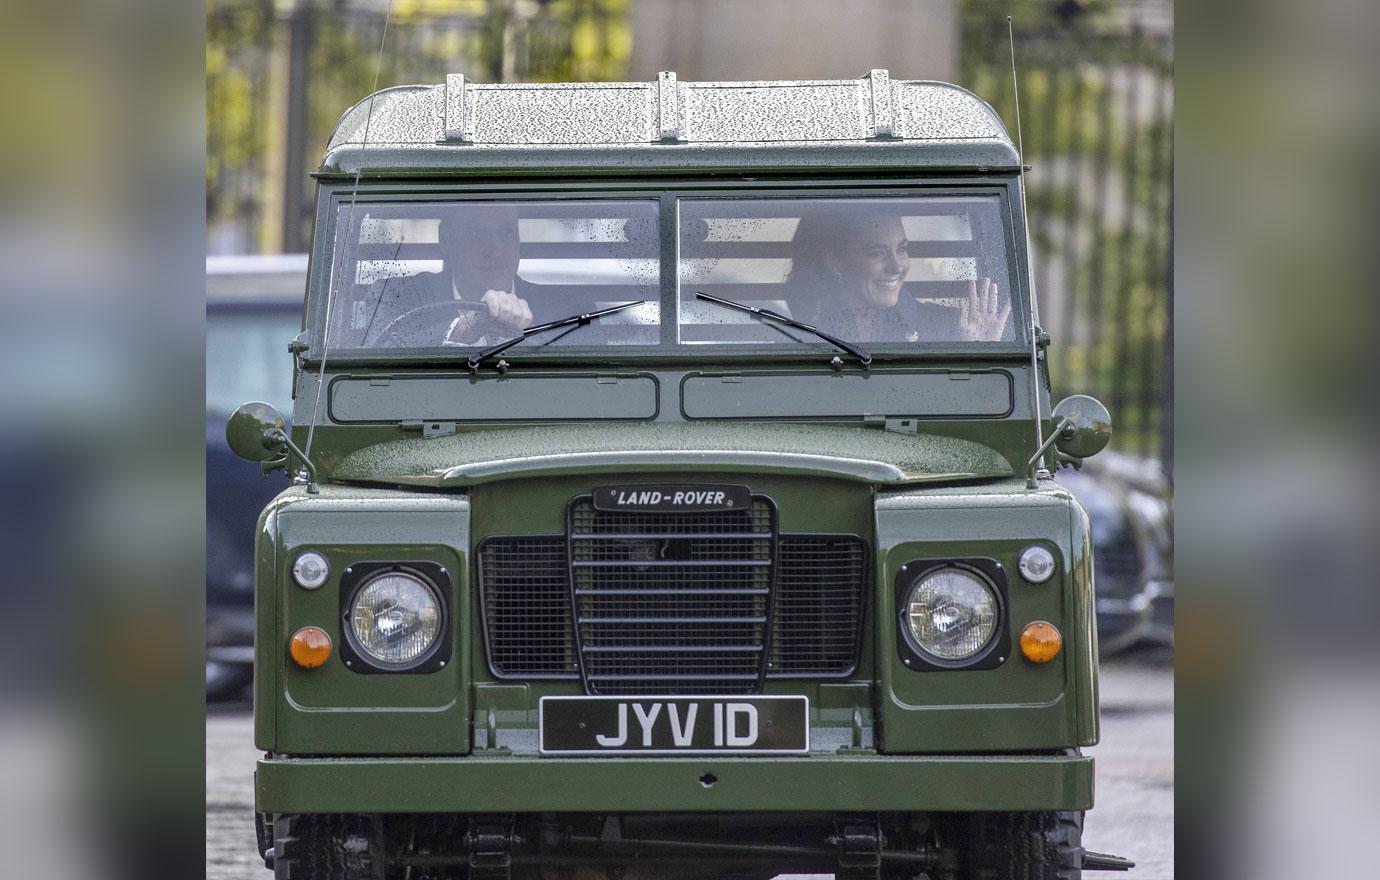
pixel 476 359
pixel 863 356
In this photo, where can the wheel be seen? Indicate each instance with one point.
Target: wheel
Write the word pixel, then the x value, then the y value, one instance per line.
pixel 327 847
pixel 458 322
pixel 1026 846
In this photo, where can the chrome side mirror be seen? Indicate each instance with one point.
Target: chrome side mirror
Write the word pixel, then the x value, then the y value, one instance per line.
pixel 256 432
pixel 1083 426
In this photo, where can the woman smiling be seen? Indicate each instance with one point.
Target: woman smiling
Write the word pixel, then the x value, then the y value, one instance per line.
pixel 850 269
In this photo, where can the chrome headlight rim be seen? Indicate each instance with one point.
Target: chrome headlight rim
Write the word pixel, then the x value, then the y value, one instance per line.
pixel 357 578
pixel 988 572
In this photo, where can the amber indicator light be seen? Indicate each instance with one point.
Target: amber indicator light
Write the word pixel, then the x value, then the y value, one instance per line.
pixel 310 647
pixel 1040 642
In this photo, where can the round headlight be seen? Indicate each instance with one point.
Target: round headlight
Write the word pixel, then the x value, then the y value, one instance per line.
pixel 1036 564
pixel 952 614
pixel 395 618
pixel 311 570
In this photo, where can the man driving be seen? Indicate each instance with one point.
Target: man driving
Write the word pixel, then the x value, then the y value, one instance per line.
pixel 479 254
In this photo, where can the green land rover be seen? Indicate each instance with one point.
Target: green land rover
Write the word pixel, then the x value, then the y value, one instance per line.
pixel 672 497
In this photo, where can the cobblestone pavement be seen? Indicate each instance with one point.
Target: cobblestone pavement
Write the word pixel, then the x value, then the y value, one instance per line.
pixel 1134 816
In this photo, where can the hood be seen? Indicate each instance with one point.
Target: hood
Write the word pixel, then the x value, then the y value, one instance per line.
pixel 869 455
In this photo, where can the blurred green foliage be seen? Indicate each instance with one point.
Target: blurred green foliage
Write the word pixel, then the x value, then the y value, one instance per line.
pixel 1096 96
pixel 235 96
pixel 248 44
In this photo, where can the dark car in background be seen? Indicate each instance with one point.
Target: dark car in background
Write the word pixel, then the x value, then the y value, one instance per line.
pixel 253 310
pixel 1128 503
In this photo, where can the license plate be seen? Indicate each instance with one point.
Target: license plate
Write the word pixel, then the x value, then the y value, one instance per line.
pixel 674 726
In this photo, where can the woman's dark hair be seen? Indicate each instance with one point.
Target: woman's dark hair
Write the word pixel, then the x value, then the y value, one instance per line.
pixel 818 237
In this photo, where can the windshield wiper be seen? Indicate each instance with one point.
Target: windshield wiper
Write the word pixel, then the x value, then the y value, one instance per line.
pixel 476 359
pixel 863 356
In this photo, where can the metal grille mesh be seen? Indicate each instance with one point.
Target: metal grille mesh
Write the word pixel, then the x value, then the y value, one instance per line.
pixel 694 627
pixel 526 594
pixel 672 602
pixel 818 612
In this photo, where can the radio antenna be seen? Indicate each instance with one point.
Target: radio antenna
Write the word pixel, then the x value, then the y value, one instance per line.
pixel 1038 470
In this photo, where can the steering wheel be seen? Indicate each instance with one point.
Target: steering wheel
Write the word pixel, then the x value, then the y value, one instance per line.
pixel 430 325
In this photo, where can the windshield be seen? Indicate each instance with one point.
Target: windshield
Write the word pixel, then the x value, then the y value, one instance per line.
pixel 465 275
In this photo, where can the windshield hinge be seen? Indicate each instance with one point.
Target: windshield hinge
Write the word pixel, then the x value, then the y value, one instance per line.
pixel 429 429
pixel 1041 338
pixel 298 346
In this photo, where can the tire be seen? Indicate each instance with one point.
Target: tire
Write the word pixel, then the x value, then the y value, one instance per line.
pixel 327 847
pixel 1026 846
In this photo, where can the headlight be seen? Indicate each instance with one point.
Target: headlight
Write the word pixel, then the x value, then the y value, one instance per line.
pixel 395 619
pixel 952 614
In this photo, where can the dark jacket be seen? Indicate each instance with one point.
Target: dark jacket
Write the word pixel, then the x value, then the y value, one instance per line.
pixel 907 321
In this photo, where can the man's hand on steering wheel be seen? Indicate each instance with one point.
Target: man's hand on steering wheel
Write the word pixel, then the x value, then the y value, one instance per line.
pixel 442 323
pixel 508 309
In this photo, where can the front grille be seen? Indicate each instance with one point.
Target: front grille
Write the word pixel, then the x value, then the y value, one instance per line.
pixel 525 597
pixel 672 603
pixel 818 612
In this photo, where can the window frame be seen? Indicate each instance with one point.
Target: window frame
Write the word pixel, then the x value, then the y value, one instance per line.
pixel 668 194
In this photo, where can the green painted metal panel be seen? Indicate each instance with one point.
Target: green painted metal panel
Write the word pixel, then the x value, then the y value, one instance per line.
pixel 1017 705
pixel 333 709
pixel 856 453
pixel 933 393
pixel 537 506
pixel 490 397
pixel 266 631
pixel 431 161
pixel 864 782
pixel 1082 648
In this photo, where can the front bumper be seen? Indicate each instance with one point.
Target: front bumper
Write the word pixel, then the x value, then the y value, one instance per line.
pixel 865 782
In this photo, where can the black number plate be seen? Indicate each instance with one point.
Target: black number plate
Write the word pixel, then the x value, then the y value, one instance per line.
pixel 672 498
pixel 674 725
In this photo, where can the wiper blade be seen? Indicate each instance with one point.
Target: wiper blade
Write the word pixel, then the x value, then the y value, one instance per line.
pixel 476 359
pixel 864 357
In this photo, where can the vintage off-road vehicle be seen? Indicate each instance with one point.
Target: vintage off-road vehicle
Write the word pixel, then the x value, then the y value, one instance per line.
pixel 672 497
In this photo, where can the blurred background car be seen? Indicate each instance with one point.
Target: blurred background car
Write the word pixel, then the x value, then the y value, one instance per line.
pixel 253 310
pixel 1128 503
